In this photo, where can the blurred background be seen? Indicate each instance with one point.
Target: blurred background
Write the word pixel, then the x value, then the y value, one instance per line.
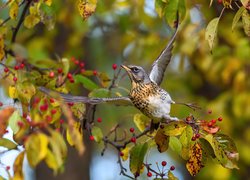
pixel 124 31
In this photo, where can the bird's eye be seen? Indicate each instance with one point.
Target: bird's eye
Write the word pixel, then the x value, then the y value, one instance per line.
pixel 135 69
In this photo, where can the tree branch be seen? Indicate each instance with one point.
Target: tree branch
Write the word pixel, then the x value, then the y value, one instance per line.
pixel 16 29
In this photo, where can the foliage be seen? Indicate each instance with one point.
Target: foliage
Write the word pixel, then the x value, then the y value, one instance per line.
pixel 47 124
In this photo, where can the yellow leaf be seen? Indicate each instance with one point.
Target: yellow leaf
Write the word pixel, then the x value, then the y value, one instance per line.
pixel 31 20
pixel 194 163
pixel 86 7
pixel 125 153
pixel 48 2
pixel 18 167
pixel 174 128
pixel 141 121
pixel 14 10
pixel 2 53
pixel 77 129
pixel 37 148
pixel 13 92
pixel 35 9
pixel 51 160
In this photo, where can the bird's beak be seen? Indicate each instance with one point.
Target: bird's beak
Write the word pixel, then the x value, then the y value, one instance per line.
pixel 126 68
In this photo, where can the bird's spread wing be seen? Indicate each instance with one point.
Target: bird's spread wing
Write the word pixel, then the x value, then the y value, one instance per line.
pixel 160 64
pixel 119 101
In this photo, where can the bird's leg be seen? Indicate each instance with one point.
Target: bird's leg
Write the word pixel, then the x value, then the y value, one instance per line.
pixel 193 106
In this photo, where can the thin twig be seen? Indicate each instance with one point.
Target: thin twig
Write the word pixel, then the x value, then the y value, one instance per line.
pixel 16 29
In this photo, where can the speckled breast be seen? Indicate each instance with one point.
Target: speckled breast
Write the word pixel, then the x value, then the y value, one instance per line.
pixel 140 94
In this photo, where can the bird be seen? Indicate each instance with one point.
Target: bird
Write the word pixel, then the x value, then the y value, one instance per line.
pixel 146 93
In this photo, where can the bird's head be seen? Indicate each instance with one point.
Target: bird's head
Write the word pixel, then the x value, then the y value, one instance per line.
pixel 136 74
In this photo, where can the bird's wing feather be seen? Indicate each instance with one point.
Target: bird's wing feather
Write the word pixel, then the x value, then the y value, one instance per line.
pixel 160 64
pixel 119 101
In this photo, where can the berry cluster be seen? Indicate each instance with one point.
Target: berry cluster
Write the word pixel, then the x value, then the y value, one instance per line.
pixel 161 171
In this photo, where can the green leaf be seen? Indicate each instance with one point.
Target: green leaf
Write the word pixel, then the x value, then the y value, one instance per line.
pixel 171 176
pixel 175 144
pixel 185 140
pixel 97 133
pixel 100 93
pixel 86 82
pixel 7 143
pixel 66 66
pixel 141 121
pixel 246 22
pixel 137 155
pixel 237 17
pixel 174 128
pixel 161 140
pixel 159 7
pixel 13 120
pixel 207 150
pixel 224 150
pixel 78 110
pixel 58 138
pixel 211 32
pixel 36 147
pixel 25 91
pixel 172 8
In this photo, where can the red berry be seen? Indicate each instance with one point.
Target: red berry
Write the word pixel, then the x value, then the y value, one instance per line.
pixel 209 111
pixel 48 118
pixel 37 100
pixel 91 138
pixel 69 75
pixel 99 120
pixel 149 174
pixel 133 139
pixel 163 163
pixel 21 66
pixel 51 74
pixel 193 138
pixel 7 168
pixel 172 168
pixel 213 121
pixel 73 59
pixel 51 100
pixel 131 130
pixel 44 107
pixel 1 104
pixel 197 136
pixel 71 80
pixel 95 72
pixel 114 66
pixel 20 124
pixel 61 121
pixel 220 1
pixel 76 62
pixel 220 119
pixel 24 115
pixel 70 103
pixel 210 124
pixel 53 111
pixel 15 78
pixel 16 67
pixel 59 70
pixel 121 154
pixel 6 69
pixel 82 64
